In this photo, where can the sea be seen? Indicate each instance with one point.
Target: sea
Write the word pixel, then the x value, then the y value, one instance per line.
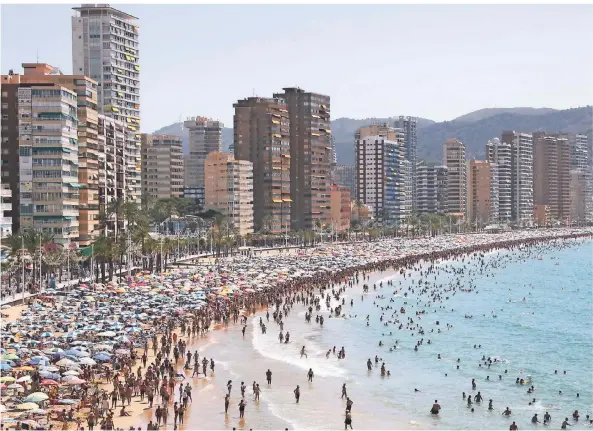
pixel 531 312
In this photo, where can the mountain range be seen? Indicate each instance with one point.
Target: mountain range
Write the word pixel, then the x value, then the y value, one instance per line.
pixel 473 129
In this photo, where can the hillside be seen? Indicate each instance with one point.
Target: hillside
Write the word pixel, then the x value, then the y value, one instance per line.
pixel 473 129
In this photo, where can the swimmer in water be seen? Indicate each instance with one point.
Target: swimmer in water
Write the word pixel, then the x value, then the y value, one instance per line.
pixel 436 408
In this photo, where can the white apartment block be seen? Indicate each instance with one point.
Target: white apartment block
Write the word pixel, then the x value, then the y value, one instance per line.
pixel 105 48
pixel 454 159
pixel 522 209
pixel 499 153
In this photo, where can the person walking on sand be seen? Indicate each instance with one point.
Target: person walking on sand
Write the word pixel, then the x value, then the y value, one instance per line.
pixel 303 353
pixel 241 409
pixel 297 394
pixel 310 375
pixel 226 403
pixel 344 393
pixel 348 420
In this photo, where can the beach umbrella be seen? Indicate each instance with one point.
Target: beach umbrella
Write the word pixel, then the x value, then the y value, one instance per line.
pixel 2 408
pixel 71 373
pixel 5 367
pixel 87 361
pixel 65 362
pixel 74 381
pixel 102 357
pixel 15 386
pixel 49 382
pixel 107 334
pixel 5 379
pixel 36 397
pixel 10 357
pixel 38 412
pixel 27 406
pixel 24 379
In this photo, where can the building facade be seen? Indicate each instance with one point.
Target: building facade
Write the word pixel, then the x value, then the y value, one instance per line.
pixel 310 157
pixel 340 208
pixel 105 48
pixel 521 144
pixel 380 177
pixel 551 174
pixel 261 130
pixel 454 159
pixel 229 189
pixel 40 134
pixel 5 210
pixel 408 126
pixel 205 137
pixel 499 153
pixel 431 187
pixel 162 166
pixel 345 176
pixel 478 192
pixel 579 151
pixel 581 206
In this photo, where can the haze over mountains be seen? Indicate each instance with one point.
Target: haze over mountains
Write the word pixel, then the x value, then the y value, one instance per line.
pixel 473 129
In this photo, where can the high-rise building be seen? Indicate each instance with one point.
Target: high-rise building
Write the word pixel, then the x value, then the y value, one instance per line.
pixel 345 176
pixel 112 144
pixel 162 166
pixel 262 136
pixel 479 187
pixel 310 157
pixel 522 209
pixel 581 206
pixel 551 174
pixel 380 177
pixel 340 208
pixel 408 126
pixel 88 152
pixel 409 186
pixel 105 48
pixel 499 153
pixel 579 151
pixel 431 187
pixel 454 159
pixel 229 189
pixel 40 155
pixel 205 137
pixel 494 193
pixel 5 210
pixel 388 132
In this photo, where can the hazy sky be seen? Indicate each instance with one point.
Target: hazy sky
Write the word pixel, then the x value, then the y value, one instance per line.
pixel 436 62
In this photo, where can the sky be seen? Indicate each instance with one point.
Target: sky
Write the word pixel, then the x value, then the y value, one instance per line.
pixel 431 61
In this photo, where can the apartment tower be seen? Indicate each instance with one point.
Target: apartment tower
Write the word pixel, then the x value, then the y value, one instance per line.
pixel 551 174
pixel 522 209
pixel 229 189
pixel 310 157
pixel 40 156
pixel 162 166
pixel 380 176
pixel 408 127
pixel 205 137
pixel 499 153
pixel 262 137
pixel 105 48
pixel 345 176
pixel 431 187
pixel 454 159
pixel 340 208
pixel 478 192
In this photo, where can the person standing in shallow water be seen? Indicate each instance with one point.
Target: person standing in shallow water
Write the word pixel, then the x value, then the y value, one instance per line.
pixel 269 376
pixel 226 403
pixel 310 375
pixel 436 408
pixel 297 393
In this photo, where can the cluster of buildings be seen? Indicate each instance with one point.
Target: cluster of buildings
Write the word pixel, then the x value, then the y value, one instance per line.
pixel 71 146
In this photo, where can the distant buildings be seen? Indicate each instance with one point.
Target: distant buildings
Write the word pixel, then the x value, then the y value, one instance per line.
pixel 340 208
pixel 479 179
pixel 521 144
pixel 454 159
pixel 162 166
pixel 344 176
pixel 105 48
pixel 551 174
pixel 499 153
pixel 5 210
pixel 431 187
pixel 205 137
pixel 261 129
pixel 408 126
pixel 310 157
pixel 229 189
pixel 380 175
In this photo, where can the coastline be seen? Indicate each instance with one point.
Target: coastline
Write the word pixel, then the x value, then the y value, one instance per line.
pixel 140 415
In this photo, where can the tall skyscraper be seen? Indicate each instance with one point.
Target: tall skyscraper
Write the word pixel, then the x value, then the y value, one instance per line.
pixel 479 187
pixel 5 210
pixel 408 126
pixel 551 174
pixel 345 176
pixel 40 136
pixel 105 48
pixel 229 189
pixel 499 153
pixel 522 209
pixel 262 136
pixel 380 177
pixel 581 206
pixel 579 152
pixel 340 208
pixel 162 166
pixel 205 137
pixel 431 187
pixel 310 157
pixel 454 159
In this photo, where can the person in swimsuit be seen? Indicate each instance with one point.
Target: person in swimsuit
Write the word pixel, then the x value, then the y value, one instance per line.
pixel 436 407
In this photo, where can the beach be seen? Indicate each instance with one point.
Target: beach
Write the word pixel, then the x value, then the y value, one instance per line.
pixel 381 402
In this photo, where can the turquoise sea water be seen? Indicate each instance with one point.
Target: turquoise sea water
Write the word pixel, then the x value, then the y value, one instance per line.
pixel 550 330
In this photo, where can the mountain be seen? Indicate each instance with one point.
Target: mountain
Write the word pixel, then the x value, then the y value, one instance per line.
pixel 476 134
pixel 482 114
pixel 473 129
